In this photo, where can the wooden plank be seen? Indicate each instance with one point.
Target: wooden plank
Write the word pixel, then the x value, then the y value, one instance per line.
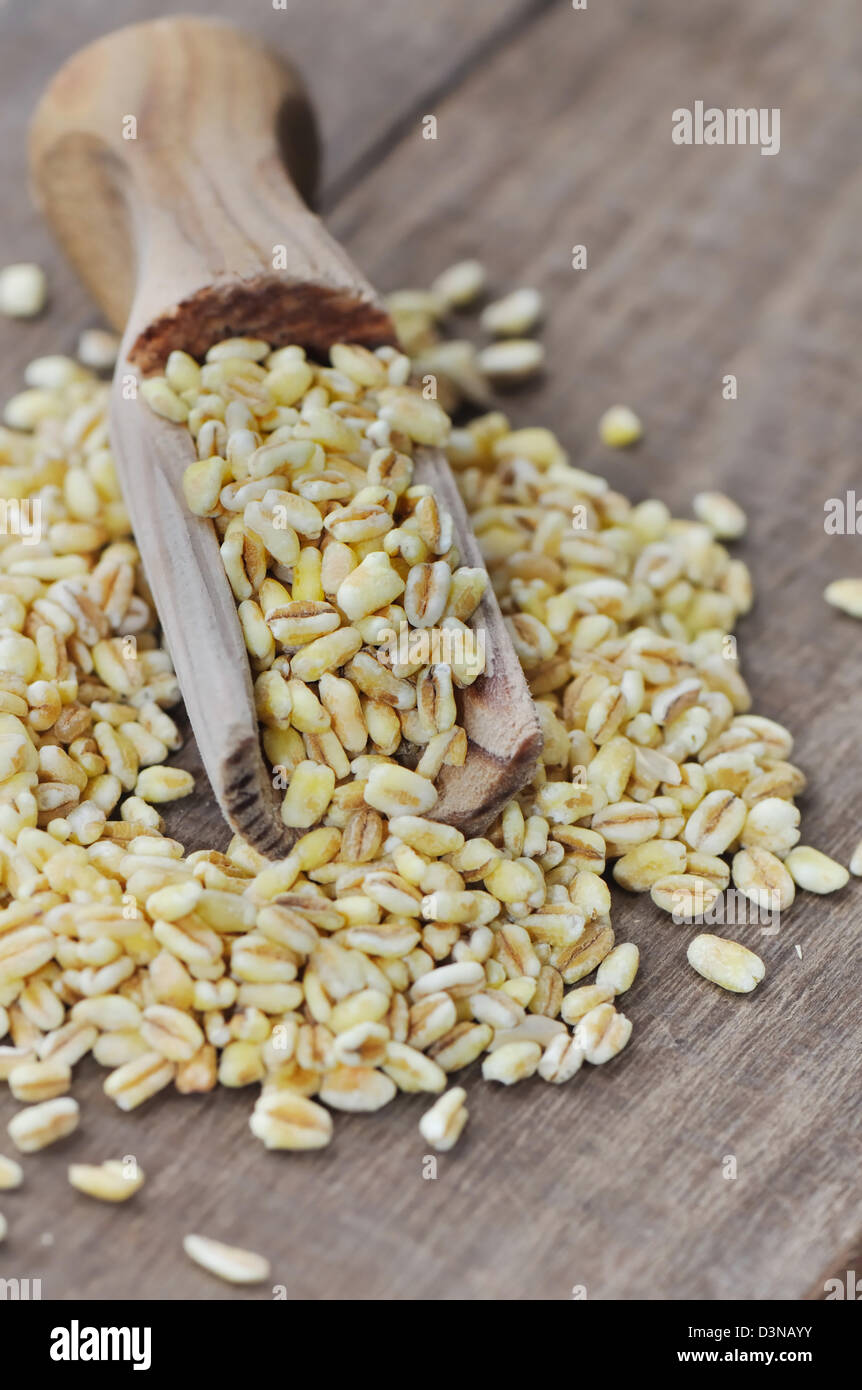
pixel 701 262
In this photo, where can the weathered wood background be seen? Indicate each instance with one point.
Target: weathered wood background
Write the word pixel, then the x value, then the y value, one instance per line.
pixel 554 129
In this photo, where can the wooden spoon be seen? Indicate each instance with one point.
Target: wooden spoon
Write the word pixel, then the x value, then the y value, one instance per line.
pixel 158 156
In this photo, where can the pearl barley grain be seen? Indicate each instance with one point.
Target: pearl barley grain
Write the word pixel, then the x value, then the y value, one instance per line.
pixel 602 1033
pixel 227 1262
pixel 816 872
pixel 618 969
pixel 442 1125
pixel 286 1120
pixel 23 290
pixel 40 1125
pixel 460 284
pixel 514 315
pixel 619 427
pixel 845 594
pixel 726 963
pixel 159 784
pixel 98 349
pixel 724 517
pixel 11 1173
pixel 763 878
pixel 512 361
pixel 561 1059
pixel 580 1001
pixel 512 1062
pixel 111 1181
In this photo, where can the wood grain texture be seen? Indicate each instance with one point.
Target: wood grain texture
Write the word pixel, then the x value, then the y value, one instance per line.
pixel 702 262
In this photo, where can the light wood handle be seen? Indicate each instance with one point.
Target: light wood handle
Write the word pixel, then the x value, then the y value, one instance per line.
pixel 158 155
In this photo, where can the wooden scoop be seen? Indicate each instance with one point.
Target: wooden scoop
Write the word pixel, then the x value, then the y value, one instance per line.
pixel 158 156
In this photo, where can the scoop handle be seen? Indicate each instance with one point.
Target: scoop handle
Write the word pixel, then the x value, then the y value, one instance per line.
pixel 173 160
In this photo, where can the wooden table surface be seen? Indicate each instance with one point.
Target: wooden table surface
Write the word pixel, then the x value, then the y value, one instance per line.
pixel 554 129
